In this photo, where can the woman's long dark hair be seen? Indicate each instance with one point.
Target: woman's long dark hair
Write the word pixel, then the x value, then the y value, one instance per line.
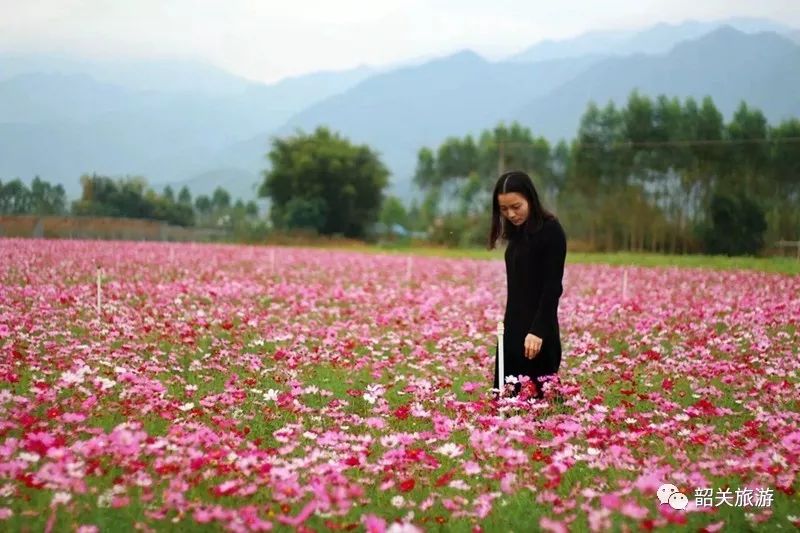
pixel 519 182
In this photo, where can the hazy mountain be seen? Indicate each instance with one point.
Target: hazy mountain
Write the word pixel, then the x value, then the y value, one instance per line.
pixel 656 39
pixel 53 97
pixel 196 125
pixel 400 111
pixel 238 182
pixel 728 65
pixel 161 75
pixel 590 43
pixel 169 135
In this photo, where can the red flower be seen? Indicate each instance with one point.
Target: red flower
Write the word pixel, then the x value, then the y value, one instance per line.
pixel 413 454
pixel 705 406
pixel 225 489
pixel 167 469
pixel 652 355
pixel 197 463
pixel 27 420
pixel 407 485
pixel 539 456
pixel 553 481
pixel 29 480
pixel 402 412
pixel 285 399
pixel 445 478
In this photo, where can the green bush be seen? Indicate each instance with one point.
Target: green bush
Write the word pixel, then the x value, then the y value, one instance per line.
pixel 736 227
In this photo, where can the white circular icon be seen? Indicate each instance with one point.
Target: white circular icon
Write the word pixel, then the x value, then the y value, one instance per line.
pixel 665 491
pixel 678 501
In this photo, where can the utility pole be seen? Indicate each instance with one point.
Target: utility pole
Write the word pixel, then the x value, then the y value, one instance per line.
pixel 501 164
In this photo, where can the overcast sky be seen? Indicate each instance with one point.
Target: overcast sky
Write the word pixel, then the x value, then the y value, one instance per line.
pixel 269 39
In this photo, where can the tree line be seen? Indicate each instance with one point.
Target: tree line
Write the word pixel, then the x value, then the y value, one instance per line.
pixel 659 174
pixel 128 197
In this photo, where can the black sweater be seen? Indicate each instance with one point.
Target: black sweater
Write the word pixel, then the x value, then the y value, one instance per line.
pixel 534 272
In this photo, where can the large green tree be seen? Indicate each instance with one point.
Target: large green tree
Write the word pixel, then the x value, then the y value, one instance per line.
pixel 323 181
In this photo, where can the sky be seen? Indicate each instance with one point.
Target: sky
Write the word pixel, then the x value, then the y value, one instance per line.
pixel 268 40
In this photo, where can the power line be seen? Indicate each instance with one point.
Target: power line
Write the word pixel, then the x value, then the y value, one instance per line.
pixel 687 142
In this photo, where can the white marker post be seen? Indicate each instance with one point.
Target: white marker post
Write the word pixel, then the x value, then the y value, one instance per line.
pixel 99 298
pixel 501 371
pixel 272 260
pixel 408 269
pixel 625 285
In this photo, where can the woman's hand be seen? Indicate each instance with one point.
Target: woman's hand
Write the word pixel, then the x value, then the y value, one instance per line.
pixel 532 345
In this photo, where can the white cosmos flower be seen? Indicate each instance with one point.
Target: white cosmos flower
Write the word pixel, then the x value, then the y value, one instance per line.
pixel 61 498
pixel 370 398
pixel 390 441
pixel 450 449
pixel 271 395
pixel 459 484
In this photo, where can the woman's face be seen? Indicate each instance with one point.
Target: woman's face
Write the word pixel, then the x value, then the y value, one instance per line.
pixel 514 207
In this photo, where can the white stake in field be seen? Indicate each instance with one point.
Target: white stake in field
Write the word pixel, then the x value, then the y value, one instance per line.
pixel 501 371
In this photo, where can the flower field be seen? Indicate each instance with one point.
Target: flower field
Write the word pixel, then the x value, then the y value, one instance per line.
pixel 237 388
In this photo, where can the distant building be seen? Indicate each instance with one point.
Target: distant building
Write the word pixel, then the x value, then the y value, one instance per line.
pixel 382 230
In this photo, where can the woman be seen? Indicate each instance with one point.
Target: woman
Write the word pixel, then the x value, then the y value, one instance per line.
pixel 534 257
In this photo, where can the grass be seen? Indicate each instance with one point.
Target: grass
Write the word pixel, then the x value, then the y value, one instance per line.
pixel 781 265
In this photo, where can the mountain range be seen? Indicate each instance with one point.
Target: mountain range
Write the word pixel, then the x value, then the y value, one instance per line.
pixel 186 123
